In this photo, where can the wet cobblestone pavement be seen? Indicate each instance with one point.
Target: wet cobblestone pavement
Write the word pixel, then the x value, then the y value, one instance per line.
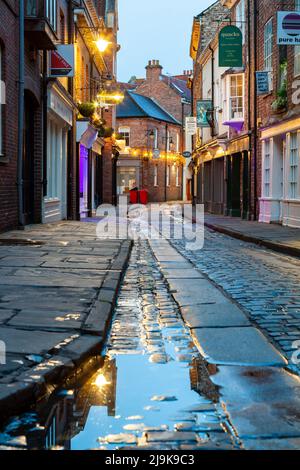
pixel 264 283
pixel 153 391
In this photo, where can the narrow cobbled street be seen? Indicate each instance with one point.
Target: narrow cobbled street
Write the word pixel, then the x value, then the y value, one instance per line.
pixel 154 390
pixel 185 364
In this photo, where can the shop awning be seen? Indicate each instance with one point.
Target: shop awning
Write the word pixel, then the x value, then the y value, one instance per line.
pixel 236 125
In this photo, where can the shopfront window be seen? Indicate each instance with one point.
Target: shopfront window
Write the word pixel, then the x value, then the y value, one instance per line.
pixel 293 161
pixel 127 179
pixel 267 168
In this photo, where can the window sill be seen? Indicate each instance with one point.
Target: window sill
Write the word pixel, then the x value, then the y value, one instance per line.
pixel 53 200
pixel 4 159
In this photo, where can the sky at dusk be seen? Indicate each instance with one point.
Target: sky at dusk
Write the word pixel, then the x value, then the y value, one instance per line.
pixel 156 29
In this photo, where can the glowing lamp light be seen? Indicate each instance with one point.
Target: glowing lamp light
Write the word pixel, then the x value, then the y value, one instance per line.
pixel 102 44
pixel 101 381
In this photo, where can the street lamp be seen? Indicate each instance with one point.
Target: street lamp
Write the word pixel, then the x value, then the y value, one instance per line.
pixel 102 44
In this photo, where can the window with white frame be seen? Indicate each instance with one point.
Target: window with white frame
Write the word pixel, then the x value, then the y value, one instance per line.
pixel 168 175
pixel 177 143
pixel 177 176
pixel 125 135
pixel 241 17
pixel 296 61
pixel 2 99
pixel 268 45
pixel 267 167
pixel 297 48
pixel 155 175
pixel 168 141
pixel 51 13
pixel 236 97
pixel 155 138
pixel 293 163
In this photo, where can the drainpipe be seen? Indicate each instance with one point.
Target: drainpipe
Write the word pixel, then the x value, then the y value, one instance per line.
pixel 166 163
pixel 21 112
pixel 212 179
pixel 212 89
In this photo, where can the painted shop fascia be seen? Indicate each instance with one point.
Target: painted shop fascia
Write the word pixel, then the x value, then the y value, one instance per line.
pixel 60 118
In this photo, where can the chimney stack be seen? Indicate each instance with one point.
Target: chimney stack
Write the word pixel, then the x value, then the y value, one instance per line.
pixel 154 70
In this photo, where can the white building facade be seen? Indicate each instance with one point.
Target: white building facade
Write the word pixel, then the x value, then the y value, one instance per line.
pixel 280 201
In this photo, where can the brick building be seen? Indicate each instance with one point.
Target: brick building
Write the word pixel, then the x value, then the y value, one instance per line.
pixel 31 184
pixel 150 149
pixel 173 94
pixel 225 156
pixel 41 183
pixel 247 160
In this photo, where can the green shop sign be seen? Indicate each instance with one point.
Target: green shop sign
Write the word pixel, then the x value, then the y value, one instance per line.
pixel 230 47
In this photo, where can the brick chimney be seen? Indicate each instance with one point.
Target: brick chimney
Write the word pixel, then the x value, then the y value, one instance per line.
pixel 153 70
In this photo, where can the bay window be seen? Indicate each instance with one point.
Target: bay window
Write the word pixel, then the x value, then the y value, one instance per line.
pixel 236 97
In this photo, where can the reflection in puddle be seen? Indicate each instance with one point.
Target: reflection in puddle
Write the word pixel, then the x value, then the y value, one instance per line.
pixel 152 391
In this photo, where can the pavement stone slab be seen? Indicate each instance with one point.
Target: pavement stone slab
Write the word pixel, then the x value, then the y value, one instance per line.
pixel 236 346
pixel 71 319
pixel 262 402
pixel 215 315
pixel 30 342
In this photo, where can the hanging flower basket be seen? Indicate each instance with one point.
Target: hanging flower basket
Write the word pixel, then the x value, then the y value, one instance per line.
pixel 86 109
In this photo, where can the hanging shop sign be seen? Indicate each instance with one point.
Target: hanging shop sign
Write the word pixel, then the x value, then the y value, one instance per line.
pixel 191 125
pixel 263 82
pixel 62 61
pixel 288 28
pixel 203 107
pixel 230 47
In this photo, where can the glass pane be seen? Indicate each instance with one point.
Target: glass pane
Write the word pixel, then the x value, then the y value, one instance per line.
pixel 31 8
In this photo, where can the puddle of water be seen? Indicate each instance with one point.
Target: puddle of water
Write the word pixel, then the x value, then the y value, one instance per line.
pixel 150 381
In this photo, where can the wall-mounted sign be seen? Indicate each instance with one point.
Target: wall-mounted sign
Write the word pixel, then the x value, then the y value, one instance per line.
pixel 230 47
pixel 62 61
pixel 203 107
pixel 288 28
pixel 191 125
pixel 60 107
pixel 262 82
pixel 187 154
